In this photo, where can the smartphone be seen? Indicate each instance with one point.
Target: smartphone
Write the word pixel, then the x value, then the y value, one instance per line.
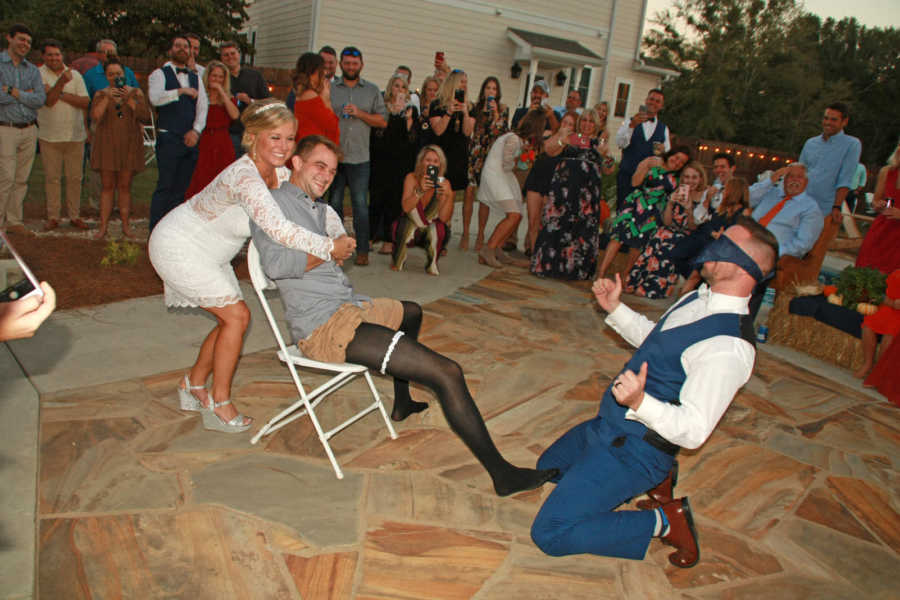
pixel 642 108
pixel 439 56
pixel 431 171
pixel 24 288
pixel 120 82
pixel 545 102
pixel 888 202
pixel 459 95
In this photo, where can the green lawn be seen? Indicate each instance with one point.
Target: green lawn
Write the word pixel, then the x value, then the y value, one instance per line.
pixel 141 190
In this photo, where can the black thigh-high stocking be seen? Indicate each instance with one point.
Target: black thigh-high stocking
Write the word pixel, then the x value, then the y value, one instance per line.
pixel 404 405
pixel 411 361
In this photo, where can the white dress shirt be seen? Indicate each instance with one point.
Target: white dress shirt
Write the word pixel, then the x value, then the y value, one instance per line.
pixel 715 368
pixel 623 135
pixel 160 96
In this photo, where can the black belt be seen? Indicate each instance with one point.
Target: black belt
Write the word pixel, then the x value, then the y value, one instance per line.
pixel 17 125
pixel 654 439
pixel 661 443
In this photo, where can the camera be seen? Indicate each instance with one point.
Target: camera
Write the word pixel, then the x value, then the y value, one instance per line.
pixel 120 82
pixel 459 95
pixel 431 171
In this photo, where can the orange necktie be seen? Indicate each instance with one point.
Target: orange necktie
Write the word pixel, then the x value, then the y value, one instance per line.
pixel 767 218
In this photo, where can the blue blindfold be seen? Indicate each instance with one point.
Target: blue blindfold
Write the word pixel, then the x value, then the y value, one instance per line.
pixel 725 250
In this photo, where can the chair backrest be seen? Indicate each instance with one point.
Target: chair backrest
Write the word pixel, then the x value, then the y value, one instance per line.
pixel 261 283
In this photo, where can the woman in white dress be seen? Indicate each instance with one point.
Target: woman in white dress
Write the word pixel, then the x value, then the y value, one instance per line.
pixel 192 248
pixel 500 190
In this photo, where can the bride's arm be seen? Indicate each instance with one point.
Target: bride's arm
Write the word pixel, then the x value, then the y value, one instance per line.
pixel 248 188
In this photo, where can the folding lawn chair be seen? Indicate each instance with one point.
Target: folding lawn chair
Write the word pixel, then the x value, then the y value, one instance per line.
pixel 293 358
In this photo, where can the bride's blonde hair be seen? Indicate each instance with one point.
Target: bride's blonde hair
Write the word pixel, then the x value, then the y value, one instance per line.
pixel 264 115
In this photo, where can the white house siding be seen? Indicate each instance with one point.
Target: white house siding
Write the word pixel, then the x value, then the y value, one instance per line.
pixel 283 31
pixel 409 32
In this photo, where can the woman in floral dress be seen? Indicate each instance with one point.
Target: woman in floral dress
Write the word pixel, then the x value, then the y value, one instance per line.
pixel 639 218
pixel 491 118
pixel 655 272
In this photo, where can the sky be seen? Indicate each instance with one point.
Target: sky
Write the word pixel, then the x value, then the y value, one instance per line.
pixel 871 13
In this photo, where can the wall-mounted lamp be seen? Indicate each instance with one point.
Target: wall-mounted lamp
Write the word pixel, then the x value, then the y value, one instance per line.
pixel 515 71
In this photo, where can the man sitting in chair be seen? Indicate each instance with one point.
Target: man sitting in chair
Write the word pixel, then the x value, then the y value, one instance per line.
pixel 331 323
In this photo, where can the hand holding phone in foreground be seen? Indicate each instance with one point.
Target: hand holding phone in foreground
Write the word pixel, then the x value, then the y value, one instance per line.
pixel 21 318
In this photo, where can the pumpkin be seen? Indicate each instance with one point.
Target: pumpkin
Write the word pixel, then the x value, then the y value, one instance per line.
pixel 835 299
pixel 866 308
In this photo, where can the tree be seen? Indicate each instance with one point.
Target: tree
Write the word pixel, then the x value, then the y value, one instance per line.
pixel 139 28
pixel 760 72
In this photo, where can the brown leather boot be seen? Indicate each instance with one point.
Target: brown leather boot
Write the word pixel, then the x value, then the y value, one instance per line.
pixel 682 535
pixel 662 493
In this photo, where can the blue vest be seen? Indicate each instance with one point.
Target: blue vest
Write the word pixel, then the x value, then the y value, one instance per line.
pixel 662 351
pixel 640 147
pixel 178 117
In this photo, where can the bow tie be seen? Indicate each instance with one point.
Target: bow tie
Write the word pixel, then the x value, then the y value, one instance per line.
pixel 651 120
pixel 182 70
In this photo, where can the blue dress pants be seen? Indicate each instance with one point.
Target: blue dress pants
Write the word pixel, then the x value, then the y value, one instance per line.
pixel 176 166
pixel 600 468
pixel 357 177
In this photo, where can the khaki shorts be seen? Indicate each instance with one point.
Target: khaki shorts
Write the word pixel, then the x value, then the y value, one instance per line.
pixel 328 343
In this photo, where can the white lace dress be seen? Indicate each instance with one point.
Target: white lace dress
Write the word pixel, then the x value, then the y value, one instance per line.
pixel 192 247
pixel 500 190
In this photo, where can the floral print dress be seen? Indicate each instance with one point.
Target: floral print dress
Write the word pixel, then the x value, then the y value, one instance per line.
pixel 640 216
pixel 482 139
pixel 655 273
pixel 566 246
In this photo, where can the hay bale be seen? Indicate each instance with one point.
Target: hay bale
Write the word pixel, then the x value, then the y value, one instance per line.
pixel 813 337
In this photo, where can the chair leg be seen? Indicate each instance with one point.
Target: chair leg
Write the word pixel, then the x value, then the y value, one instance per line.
pixel 384 415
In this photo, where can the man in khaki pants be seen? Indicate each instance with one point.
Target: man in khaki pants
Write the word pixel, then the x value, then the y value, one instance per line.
pixel 61 134
pixel 21 94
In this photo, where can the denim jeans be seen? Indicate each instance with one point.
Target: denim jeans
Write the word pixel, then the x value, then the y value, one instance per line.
pixel 357 177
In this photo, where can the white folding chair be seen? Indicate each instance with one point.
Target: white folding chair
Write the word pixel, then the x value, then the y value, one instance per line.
pixel 149 134
pixel 292 357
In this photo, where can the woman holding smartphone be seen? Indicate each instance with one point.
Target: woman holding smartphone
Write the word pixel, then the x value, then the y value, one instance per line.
pixel 452 126
pixel 118 113
pixel 491 118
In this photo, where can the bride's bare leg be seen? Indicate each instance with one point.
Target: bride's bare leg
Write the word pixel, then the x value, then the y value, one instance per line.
pixel 233 322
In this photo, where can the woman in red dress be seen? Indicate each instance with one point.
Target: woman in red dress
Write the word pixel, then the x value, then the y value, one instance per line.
pixel 215 150
pixel 886 321
pixel 313 105
pixel 881 246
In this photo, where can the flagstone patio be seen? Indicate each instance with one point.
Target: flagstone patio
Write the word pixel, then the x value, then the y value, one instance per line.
pixel 796 494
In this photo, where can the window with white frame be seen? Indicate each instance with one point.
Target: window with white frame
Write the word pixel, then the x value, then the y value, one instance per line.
pixel 623 95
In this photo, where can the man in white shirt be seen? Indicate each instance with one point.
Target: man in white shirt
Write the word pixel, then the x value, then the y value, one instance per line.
pixel 638 138
pixel 671 394
pixel 181 102
pixel 61 134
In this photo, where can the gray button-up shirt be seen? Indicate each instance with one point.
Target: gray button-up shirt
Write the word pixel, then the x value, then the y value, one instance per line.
pixel 26 78
pixel 366 96
pixel 309 297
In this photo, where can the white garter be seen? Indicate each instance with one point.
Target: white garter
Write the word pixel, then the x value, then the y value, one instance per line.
pixel 390 350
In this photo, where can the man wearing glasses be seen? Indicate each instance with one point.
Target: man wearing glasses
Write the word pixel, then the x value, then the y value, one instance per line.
pixel 360 106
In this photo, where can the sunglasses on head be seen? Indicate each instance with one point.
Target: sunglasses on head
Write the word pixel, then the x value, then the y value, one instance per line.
pixel 456 71
pixel 351 53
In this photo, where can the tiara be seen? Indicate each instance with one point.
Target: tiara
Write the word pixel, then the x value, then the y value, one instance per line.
pixel 271 106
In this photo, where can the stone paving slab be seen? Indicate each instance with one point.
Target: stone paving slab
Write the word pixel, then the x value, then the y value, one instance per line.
pixel 795 495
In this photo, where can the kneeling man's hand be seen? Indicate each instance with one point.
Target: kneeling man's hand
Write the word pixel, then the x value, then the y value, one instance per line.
pixel 607 293
pixel 628 388
pixel 343 247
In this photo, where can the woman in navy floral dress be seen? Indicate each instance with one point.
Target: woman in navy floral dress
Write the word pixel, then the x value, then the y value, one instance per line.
pixel 566 246
pixel 639 218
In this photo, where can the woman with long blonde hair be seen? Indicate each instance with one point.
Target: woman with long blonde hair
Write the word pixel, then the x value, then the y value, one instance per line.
pixel 452 126
pixel 192 247
pixel 392 157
